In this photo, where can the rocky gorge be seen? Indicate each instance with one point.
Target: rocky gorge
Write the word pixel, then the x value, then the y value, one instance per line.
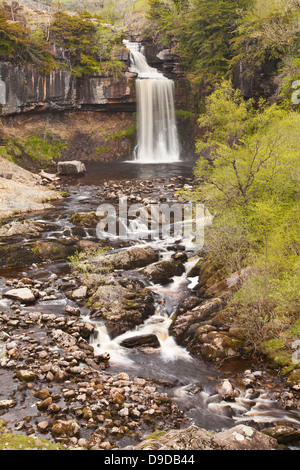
pixel 123 343
pixel 95 349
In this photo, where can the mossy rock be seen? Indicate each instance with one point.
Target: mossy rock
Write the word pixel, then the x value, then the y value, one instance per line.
pixel 54 250
pixel 293 379
pixel 85 219
pixel 155 435
pixel 276 351
pixel 11 441
pixel 17 256
pixel 216 347
pixel 20 442
pixel 163 271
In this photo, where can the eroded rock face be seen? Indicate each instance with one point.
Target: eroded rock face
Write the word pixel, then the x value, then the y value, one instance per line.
pixel 59 90
pixel 202 329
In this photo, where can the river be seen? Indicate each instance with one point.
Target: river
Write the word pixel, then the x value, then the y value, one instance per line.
pixel 190 381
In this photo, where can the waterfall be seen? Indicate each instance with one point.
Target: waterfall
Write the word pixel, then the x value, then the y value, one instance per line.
pixel 157 131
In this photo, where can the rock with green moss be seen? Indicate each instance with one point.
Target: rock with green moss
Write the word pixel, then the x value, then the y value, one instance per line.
pixel 10 255
pixel 50 250
pixel 163 271
pixel 214 345
pixel 85 219
pixel 293 379
pixel 11 441
pixel 283 434
pixel 122 308
pixel 25 375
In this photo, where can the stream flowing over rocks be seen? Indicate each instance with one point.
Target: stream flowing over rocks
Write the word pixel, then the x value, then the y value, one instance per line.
pixel 130 342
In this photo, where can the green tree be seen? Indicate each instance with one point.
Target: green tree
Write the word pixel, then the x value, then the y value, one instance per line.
pixel 253 153
pixel 17 44
pixel 87 44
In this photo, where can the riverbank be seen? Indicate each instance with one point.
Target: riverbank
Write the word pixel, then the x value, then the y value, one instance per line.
pixel 22 191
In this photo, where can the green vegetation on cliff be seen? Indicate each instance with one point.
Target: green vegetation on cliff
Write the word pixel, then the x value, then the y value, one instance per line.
pixel 219 38
pixel 37 149
pixel 88 45
pixel 82 43
pixel 19 45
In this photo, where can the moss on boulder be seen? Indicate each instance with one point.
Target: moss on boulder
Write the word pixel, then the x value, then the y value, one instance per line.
pixel 11 441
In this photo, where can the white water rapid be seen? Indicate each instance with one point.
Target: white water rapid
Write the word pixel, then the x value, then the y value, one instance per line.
pixel 157 132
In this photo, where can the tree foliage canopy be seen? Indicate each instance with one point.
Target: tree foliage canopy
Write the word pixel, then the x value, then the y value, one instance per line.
pixel 215 36
pixel 18 44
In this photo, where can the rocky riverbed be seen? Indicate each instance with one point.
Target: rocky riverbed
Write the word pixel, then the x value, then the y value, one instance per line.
pixel 119 345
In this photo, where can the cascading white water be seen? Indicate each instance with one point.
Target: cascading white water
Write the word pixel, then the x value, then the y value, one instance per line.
pixel 157 132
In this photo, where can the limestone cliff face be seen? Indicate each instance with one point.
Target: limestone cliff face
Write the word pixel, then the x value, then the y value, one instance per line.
pixel 23 89
pixel 94 115
pixel 257 81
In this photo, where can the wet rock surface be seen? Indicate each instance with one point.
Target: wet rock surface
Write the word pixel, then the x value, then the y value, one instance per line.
pixel 141 342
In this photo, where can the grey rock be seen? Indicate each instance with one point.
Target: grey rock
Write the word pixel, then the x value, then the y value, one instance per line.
pixel 23 295
pixel 142 341
pixel 73 167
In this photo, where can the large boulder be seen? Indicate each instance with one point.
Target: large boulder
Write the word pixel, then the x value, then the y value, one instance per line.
pixel 122 308
pixel 135 257
pixel 71 168
pixel 24 295
pixel 243 437
pixel 141 341
pixel 163 271
pixel 21 227
pixel 193 438
pixel 65 428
